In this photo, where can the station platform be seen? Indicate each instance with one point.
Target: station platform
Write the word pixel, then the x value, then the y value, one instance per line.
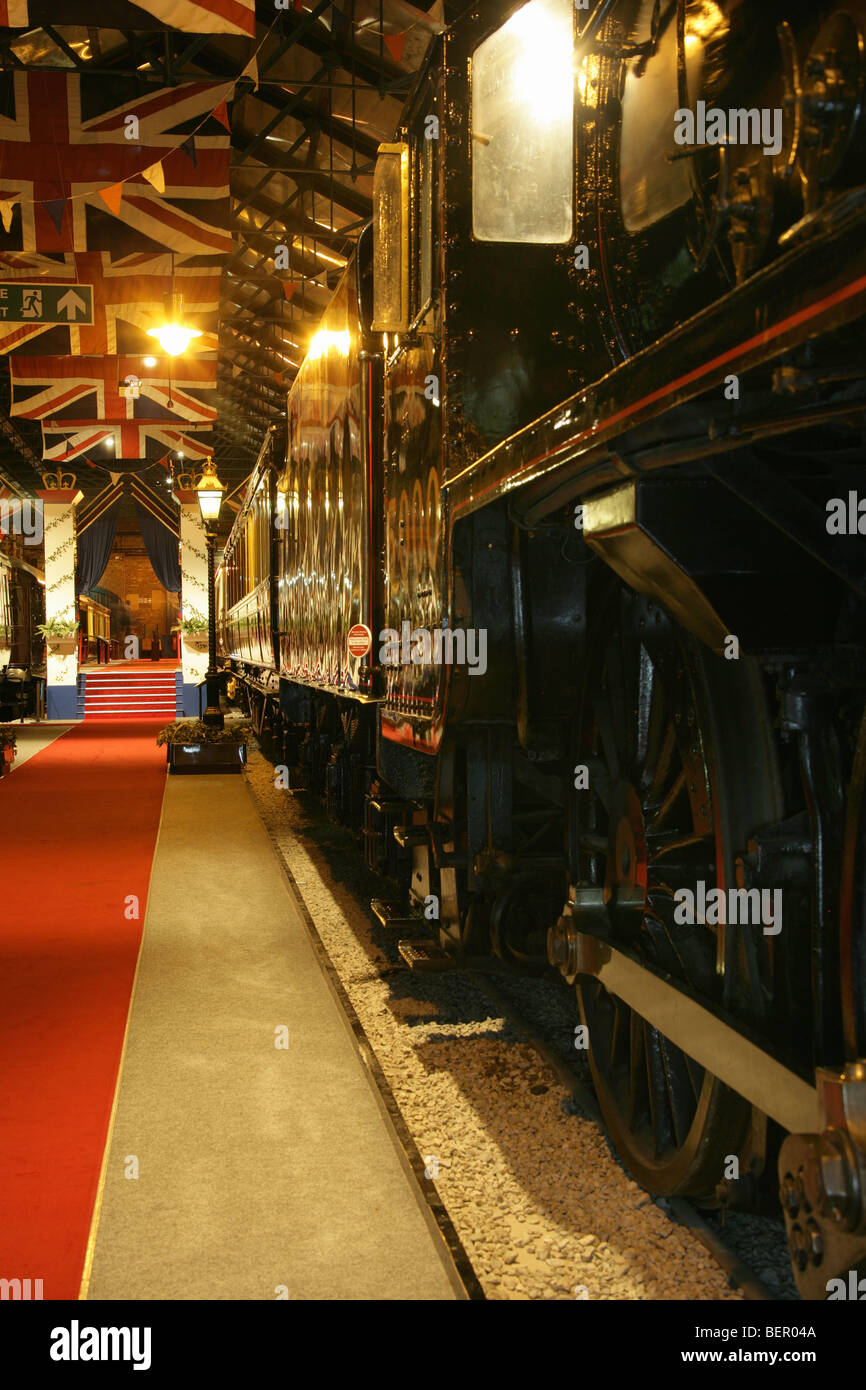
pixel 189 1116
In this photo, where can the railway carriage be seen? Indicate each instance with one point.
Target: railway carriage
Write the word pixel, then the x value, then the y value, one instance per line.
pixel 593 386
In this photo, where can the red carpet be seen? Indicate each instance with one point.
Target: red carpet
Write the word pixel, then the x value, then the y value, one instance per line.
pixel 78 825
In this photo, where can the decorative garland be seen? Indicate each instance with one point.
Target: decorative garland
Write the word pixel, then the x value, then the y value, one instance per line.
pixel 61 549
pixel 64 578
pixel 64 516
pixel 192 581
pixel 194 550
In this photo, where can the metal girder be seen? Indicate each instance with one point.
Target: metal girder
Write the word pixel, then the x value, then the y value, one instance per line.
pixel 296 224
pixel 64 47
pixel 319 179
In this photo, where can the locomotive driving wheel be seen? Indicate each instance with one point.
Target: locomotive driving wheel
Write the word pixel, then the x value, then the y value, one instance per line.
pixel 681 769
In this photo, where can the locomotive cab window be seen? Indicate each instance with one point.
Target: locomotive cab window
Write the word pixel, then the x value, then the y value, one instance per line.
pixel 523 127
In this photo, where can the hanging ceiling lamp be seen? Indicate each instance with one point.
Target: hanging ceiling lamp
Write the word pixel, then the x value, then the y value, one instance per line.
pixel 174 335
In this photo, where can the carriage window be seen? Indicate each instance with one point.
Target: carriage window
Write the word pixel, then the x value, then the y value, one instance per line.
pixel 523 127
pixel 391 240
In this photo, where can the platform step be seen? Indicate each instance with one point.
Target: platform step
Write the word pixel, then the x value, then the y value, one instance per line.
pixel 393 915
pixel 424 955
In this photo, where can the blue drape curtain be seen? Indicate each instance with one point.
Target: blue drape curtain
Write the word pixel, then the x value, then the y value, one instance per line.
pixel 162 549
pixel 94 549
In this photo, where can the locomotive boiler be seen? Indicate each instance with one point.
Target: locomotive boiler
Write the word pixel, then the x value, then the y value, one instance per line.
pixel 593 387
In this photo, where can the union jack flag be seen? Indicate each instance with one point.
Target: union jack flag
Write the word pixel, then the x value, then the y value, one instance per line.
pixel 66 141
pixel 127 300
pixel 146 440
pixel 80 389
pixel 193 16
pixel 13 14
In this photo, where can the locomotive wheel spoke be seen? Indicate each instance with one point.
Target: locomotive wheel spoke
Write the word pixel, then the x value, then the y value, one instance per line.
pixel 660 766
pixel 668 844
pixel 653 823
pixel 667 805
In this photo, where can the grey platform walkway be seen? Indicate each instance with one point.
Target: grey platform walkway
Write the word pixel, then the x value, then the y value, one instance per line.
pixel 32 738
pixel 259 1169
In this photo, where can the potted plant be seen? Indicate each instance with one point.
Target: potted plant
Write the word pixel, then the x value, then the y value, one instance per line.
pixel 8 747
pixel 61 636
pixel 193 746
pixel 194 630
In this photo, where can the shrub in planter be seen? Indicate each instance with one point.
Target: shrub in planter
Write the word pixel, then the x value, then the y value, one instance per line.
pixel 193 746
pixel 61 635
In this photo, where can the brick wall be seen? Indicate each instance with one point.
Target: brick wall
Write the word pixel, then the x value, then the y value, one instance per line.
pixel 130 576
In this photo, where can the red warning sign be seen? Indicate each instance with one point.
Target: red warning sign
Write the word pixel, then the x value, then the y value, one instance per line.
pixel 360 640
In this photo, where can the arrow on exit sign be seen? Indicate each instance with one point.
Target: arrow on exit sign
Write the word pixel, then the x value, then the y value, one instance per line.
pixel 21 303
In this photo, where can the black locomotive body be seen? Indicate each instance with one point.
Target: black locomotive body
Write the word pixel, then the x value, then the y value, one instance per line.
pixel 587 469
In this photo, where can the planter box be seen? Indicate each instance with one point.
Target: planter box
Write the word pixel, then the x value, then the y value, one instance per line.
pixel 62 646
pixel 196 641
pixel 205 757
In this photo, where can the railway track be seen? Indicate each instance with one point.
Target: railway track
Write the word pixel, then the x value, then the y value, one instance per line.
pixel 499 1121
pixel 740 1275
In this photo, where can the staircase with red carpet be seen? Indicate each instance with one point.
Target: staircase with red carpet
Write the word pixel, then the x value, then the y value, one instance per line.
pixel 127 691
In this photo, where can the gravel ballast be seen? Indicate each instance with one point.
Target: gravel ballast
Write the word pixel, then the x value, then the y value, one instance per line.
pixel 541 1204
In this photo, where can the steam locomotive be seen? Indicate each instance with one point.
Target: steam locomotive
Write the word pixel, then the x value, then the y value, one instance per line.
pixel 589 400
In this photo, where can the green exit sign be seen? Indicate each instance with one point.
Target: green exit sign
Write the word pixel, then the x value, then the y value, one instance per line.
pixel 21 303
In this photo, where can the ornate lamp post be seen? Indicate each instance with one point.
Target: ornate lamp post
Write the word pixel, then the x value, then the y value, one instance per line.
pixel 210 495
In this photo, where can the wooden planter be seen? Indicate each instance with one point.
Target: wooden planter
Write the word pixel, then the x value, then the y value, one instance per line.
pixel 205 757
pixel 62 646
pixel 195 641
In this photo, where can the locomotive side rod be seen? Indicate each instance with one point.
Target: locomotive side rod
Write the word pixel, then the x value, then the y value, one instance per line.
pixel 714 1044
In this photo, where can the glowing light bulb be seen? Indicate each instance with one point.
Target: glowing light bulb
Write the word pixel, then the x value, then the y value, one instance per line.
pixel 322 342
pixel 174 338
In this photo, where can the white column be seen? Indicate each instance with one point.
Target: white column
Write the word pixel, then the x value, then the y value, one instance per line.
pixel 60 598
pixel 193 572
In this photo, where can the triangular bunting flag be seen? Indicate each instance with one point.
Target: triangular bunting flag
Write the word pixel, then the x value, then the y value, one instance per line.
pixel 289 287
pixel 55 207
pixel 188 147
pixel 252 72
pixel 222 115
pixel 155 175
pixel 7 206
pixel 112 196
pixel 394 44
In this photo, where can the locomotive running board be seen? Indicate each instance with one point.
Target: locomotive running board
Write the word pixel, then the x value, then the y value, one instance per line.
pixel 744 1066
